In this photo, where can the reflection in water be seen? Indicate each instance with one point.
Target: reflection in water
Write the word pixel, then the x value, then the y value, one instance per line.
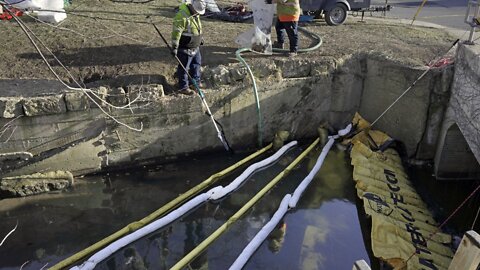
pixel 323 232
pixel 277 236
pixel 194 236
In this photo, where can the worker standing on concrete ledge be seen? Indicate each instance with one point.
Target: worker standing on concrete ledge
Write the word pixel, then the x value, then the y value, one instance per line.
pixel 186 41
pixel 288 14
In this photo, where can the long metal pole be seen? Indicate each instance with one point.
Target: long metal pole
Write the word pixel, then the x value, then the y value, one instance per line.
pixel 200 93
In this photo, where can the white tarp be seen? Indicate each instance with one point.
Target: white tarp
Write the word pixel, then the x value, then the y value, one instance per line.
pixel 55 13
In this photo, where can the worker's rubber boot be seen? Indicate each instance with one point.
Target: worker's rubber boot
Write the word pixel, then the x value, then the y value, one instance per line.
pixel 186 91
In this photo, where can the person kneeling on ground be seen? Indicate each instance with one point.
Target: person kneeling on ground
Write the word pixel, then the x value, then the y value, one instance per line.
pixel 288 14
pixel 186 41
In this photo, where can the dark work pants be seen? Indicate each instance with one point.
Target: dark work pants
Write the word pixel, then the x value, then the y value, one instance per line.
pixel 192 62
pixel 292 31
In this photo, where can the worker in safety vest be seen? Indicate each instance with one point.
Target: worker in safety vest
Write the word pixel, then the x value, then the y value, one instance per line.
pixel 186 41
pixel 288 14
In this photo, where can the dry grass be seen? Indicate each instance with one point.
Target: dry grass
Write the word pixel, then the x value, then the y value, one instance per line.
pixel 100 49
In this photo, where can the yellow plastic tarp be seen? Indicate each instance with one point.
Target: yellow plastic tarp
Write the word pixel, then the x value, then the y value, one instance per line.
pixel 404 232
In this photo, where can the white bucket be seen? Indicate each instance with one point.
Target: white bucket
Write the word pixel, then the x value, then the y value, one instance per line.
pixel 50 16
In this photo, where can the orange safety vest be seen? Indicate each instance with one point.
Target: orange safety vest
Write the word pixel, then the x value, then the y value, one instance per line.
pixel 288 11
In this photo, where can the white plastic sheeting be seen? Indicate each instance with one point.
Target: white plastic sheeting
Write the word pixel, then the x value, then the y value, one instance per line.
pixel 259 37
pixel 288 202
pixel 212 6
pixel 57 13
pixel 213 194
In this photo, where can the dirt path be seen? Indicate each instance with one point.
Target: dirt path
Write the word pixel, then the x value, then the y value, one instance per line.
pixel 126 46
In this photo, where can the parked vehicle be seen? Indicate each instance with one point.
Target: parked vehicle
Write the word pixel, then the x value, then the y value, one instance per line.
pixel 335 11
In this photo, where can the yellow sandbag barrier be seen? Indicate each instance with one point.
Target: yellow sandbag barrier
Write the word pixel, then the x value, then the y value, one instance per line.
pixel 402 225
pixel 159 212
pixel 419 216
pixel 395 217
pixel 375 172
pixel 408 199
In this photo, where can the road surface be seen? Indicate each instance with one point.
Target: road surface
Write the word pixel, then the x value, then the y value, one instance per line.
pixel 449 13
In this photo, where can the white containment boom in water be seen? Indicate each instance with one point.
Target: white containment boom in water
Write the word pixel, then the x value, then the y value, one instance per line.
pixel 288 202
pixel 213 194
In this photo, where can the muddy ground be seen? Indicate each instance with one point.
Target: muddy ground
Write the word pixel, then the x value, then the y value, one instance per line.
pixel 103 39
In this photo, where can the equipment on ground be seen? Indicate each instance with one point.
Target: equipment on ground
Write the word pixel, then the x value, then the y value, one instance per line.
pixel 51 11
pixel 4 15
pixel 236 13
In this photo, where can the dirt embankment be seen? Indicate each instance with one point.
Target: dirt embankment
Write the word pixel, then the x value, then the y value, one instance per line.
pixel 102 39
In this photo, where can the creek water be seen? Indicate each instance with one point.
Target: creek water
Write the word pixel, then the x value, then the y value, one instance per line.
pixel 325 231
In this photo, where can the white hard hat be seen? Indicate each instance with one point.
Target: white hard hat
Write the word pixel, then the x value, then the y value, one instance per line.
pixel 199 6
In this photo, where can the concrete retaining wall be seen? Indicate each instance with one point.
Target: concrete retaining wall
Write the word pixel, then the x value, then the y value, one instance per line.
pixel 296 95
pixel 458 151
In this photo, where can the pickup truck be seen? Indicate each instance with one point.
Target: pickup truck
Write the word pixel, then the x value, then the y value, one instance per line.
pixel 335 11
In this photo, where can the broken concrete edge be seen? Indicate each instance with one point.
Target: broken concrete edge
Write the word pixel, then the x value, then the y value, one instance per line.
pixel 78 100
pixel 216 78
pixel 15 156
pixel 26 185
pixel 41 175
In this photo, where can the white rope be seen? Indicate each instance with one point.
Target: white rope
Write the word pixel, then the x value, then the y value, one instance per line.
pixel 8 234
pixel 24 28
pixel 8 125
pixel 287 203
pixel 213 194
pixel 411 86
pixel 80 88
pixel 11 134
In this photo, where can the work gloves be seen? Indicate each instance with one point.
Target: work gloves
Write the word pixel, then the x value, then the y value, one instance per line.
pixel 174 51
